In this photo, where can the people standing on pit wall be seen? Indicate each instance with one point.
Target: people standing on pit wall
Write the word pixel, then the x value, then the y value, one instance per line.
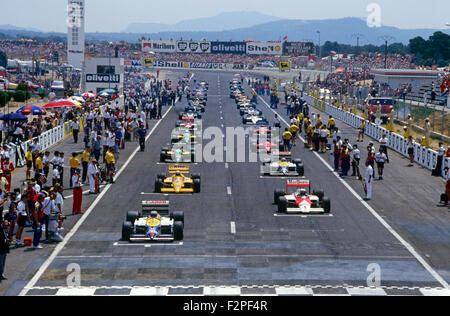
pixel 410 144
pixel 437 171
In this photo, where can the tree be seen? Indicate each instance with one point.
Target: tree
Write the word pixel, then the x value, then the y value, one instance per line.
pixel 3 59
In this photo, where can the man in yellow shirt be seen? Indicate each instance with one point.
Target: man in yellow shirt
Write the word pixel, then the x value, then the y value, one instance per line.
pixel 287 136
pixel 29 162
pixel 362 130
pixel 74 165
pixel 300 117
pixel 110 164
pixel 85 158
pixel 39 165
pixel 293 130
pixel 331 124
pixel 309 134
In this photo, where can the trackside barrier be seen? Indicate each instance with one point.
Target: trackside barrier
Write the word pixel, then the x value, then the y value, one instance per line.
pixel 423 156
pixel 46 140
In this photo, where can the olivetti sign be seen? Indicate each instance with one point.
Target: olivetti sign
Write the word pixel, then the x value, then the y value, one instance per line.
pixel 102 78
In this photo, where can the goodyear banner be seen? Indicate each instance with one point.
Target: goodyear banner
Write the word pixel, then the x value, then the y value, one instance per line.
pixel 207 66
pixel 193 47
pixel 262 48
pixel 299 48
pixel 148 62
pixel 285 65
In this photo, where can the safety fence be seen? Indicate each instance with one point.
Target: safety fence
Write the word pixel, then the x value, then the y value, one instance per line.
pixel 46 140
pixel 423 156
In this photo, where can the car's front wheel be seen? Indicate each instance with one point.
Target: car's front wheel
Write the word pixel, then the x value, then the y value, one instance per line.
pixel 127 229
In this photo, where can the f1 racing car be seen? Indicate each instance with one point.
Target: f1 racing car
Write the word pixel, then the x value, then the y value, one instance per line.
pixel 153 224
pixel 178 181
pixel 254 120
pixel 284 166
pixel 301 200
pixel 177 155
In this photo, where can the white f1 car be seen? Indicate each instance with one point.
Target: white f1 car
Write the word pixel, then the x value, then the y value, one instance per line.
pixel 284 166
pixel 297 199
pixel 254 120
pixel 154 223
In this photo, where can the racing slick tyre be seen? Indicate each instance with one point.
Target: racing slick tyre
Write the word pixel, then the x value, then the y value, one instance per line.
pixel 178 231
pixel 276 196
pixel 161 176
pixel 192 156
pixel 199 117
pixel 177 216
pixel 326 205
pixel 282 205
pixel 158 185
pixel 242 112
pixel 132 216
pixel 444 199
pixel 197 185
pixel 203 110
pixel 127 229
pixel 196 176
pixel 300 169
pixel 180 117
pixel 163 156
pixel 177 124
pixel 319 194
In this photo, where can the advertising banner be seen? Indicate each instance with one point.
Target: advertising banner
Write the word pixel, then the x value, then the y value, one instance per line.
pixel 264 48
pixel 193 47
pixel 236 48
pixel 91 78
pixel 159 46
pixel 148 62
pixel 207 65
pixel 285 65
pixel 298 48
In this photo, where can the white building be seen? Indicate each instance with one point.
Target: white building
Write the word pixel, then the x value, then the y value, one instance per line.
pixel 104 73
pixel 395 78
pixel 75 34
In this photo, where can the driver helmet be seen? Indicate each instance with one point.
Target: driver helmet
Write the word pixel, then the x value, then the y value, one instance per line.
pixel 283 159
pixel 178 174
pixel 301 192
pixel 154 214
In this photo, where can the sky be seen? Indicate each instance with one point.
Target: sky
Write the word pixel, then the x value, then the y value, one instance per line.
pixel 115 15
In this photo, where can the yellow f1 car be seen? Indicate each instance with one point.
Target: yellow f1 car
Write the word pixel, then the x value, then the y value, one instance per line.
pixel 179 181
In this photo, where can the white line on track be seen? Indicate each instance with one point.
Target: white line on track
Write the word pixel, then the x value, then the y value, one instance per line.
pixel 397 236
pixel 77 226
pixel 233 228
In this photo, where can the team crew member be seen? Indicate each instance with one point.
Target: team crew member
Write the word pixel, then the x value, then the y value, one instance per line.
pixel 287 136
pixel 331 124
pixel 323 139
pixel 8 168
pixel 410 146
pixel 85 157
pixel 437 171
pixel 74 165
pixel 276 122
pixel 345 158
pixel 77 193
pixel 384 146
pixel 368 181
pixel 110 164
pixel 362 130
pixel 447 186
pixel 46 163
pixel 371 157
pixel 29 162
pixel 293 130
pixel 142 132
pixel 38 221
pixel 309 131
pixel 22 217
pixel 300 118
pixel 4 248
pixel 316 137
pixel 356 154
pixel 381 159
pixel 337 153
pixel 93 171
pixel 39 166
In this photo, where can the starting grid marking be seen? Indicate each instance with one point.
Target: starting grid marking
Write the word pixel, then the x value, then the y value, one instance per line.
pixel 238 291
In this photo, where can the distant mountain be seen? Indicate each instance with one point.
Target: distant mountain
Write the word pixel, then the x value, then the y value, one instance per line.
pixel 222 22
pixel 339 30
pixel 16 28
pixel 335 30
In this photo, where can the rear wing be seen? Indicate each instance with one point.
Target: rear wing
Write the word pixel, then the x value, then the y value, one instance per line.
pixel 181 168
pixel 162 207
pixel 298 183
pixel 283 154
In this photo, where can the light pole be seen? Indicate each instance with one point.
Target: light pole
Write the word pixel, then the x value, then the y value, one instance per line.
pixel 320 47
pixel 386 39
pixel 109 69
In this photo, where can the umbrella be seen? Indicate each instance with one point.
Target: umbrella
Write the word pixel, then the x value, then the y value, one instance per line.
pixel 31 109
pixel 340 70
pixel 60 104
pixel 13 117
pixel 108 91
pixel 89 95
pixel 77 99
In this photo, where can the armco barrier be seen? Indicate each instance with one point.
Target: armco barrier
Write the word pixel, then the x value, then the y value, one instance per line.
pixel 423 156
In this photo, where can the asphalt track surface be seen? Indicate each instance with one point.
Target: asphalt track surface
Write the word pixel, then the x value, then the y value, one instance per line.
pixel 234 239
